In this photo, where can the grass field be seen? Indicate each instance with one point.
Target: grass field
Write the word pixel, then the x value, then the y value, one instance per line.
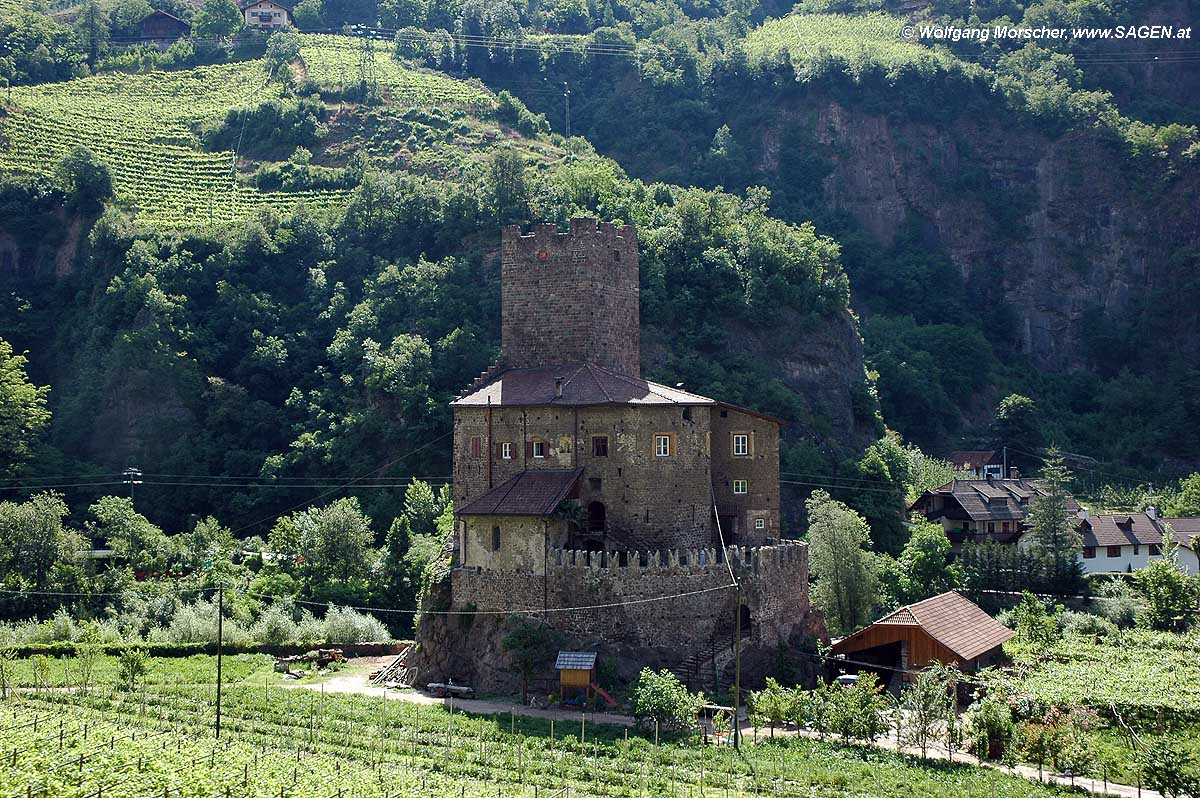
pixel 143 126
pixel 303 744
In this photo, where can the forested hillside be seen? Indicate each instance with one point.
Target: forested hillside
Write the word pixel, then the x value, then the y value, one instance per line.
pixel 274 261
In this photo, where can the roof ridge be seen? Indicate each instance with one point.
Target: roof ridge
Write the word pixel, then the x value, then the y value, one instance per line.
pixel 591 367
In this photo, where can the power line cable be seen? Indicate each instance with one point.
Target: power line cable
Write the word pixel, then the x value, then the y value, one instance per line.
pixel 345 485
pixel 513 611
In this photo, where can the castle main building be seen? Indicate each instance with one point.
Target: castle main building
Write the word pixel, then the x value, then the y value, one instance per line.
pixel 565 414
pixel 578 483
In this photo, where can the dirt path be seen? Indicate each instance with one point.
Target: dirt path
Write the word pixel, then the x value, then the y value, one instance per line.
pixel 356 682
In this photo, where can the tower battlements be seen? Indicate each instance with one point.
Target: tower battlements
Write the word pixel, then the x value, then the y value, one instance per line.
pixel 749 560
pixel 571 297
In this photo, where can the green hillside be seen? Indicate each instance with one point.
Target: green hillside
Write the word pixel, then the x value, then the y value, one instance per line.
pixel 145 128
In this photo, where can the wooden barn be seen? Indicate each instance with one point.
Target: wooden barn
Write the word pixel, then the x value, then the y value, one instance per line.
pixel 947 629
pixel 161 29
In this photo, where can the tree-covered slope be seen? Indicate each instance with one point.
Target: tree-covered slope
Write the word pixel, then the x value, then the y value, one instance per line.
pixel 277 352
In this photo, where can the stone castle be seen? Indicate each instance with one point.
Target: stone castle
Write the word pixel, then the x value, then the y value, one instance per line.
pixel 578 484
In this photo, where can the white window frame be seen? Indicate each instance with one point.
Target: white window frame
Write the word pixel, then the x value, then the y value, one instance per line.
pixel 741 444
pixel 760 523
pixel 744 484
pixel 506 451
pixel 662 445
pixel 539 450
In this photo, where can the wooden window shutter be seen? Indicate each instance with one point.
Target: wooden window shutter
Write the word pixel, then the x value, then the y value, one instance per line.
pixel 529 449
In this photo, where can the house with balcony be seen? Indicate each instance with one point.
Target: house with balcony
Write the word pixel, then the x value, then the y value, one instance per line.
pixel 978 510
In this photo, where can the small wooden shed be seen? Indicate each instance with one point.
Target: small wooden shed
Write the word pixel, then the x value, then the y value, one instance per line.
pixel 576 675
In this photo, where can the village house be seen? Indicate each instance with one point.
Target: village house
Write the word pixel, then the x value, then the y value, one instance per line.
pixel 947 629
pixel 162 29
pixel 267 14
pixel 1125 542
pixel 978 510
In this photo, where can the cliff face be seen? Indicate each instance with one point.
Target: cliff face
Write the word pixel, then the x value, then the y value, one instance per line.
pixel 1069 231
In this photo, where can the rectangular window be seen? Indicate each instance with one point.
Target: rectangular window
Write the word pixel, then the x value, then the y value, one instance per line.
pixel 739 486
pixel 760 523
pixel 539 449
pixel 600 446
pixel 1089 552
pixel 991 527
pixel 662 445
pixel 495 538
pixel 741 444
pixel 476 447
pixel 595 483
pixel 1113 551
pixel 1155 550
pixel 506 451
pixel 1137 549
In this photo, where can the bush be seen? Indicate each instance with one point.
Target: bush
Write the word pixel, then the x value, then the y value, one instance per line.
pixel 275 625
pixel 344 625
pixel 1086 624
pixel 989 728
pixel 661 698
pixel 84 178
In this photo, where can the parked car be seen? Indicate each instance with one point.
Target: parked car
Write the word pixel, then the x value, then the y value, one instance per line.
pixel 846 680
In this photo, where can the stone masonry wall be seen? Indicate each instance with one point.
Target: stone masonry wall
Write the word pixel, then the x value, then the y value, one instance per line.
pixel 774 581
pixel 571 297
pixel 760 469
pixel 649 501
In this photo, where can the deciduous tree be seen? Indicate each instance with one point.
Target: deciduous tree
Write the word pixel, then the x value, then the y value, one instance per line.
pixel 844 571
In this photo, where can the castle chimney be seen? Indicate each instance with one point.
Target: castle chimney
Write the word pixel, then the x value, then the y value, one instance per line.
pixel 558 383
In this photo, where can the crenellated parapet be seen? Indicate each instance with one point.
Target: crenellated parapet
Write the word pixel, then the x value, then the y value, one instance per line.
pixel 584 232
pixel 745 560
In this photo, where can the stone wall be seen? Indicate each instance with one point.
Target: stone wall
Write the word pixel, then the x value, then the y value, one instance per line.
pixel 649 501
pixel 759 468
pixel 625 590
pixel 571 297
pixel 520 544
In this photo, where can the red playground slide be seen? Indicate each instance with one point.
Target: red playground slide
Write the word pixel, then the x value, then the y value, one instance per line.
pixel 604 694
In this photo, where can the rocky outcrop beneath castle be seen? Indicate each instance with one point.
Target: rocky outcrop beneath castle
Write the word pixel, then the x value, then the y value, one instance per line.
pixel 642 608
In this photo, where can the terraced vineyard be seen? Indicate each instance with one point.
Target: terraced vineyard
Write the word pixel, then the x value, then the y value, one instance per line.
pixel 334 61
pixel 859 43
pixel 143 127
pixel 300 744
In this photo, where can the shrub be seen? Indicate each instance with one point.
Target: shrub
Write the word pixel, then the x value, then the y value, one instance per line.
pixel 275 625
pixel 989 728
pixel 344 625
pixel 1086 624
pixel 661 698
pixel 84 178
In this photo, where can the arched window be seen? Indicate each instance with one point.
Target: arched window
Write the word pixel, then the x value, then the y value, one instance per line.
pixel 495 538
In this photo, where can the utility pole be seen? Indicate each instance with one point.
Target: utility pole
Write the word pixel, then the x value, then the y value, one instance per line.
pixel 220 641
pixel 737 666
pixel 132 476
pixel 567 106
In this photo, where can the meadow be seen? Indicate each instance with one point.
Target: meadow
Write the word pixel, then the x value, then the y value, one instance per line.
pixel 159 739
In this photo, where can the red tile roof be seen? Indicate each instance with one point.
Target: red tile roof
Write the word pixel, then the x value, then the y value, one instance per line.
pixel 582 384
pixel 955 622
pixel 536 493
